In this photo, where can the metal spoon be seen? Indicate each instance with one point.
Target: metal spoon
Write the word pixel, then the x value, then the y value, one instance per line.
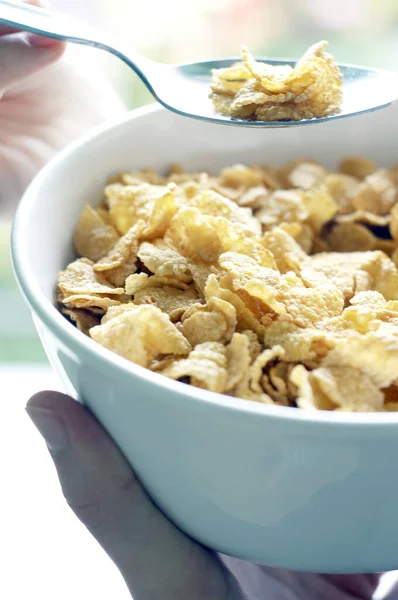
pixel 184 89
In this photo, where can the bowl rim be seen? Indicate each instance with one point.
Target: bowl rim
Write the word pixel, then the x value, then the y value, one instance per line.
pixel 71 337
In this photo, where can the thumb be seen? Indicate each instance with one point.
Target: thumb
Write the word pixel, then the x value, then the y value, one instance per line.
pixel 22 54
pixel 155 558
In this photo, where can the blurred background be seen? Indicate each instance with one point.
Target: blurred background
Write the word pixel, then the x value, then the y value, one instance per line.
pixel 359 31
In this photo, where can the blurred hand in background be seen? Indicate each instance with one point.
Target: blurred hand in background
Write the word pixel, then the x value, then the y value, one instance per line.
pixel 45 103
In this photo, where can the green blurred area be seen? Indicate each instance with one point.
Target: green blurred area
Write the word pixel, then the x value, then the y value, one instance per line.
pixel 17 343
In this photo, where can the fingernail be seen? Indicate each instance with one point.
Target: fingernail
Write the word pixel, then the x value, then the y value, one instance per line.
pixel 50 427
pixel 38 41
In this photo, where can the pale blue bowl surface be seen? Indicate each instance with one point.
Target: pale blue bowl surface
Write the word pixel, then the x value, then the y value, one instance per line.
pixel 287 488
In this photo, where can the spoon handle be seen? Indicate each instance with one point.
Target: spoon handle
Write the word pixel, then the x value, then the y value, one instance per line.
pixel 63 27
pixel 51 24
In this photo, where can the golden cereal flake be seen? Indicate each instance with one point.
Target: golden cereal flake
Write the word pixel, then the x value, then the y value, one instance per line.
pixel 229 81
pixel 309 345
pixel 373 353
pixel 206 367
pixel 301 233
pixel 320 206
pixel 394 258
pixel 93 301
pixel 241 176
pixel 211 203
pixel 238 359
pixel 307 175
pixel 162 211
pixel 214 322
pixel 350 237
pixel 80 278
pixel 254 198
pixel 287 252
pixel 363 216
pixel 282 206
pixel 83 319
pixel 203 238
pixel 394 223
pixel 309 395
pixel 348 388
pixel 260 364
pixel 129 204
pixel 120 262
pixel 140 281
pixel 357 166
pixel 194 237
pixel 342 188
pixel 163 260
pixel 140 334
pixel 376 194
pixel 93 237
pixel 246 318
pixel 169 300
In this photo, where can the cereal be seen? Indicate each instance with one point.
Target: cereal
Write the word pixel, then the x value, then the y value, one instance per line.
pixel 140 333
pixel 357 166
pixel 239 359
pixel 129 204
pixel 272 285
pixel 376 194
pixel 259 91
pixel 81 278
pixel 121 260
pixel 163 260
pixel 83 319
pixel 206 367
pixel 321 207
pixel 282 206
pixel 170 300
pixel 349 237
pixel 213 322
pixel 94 238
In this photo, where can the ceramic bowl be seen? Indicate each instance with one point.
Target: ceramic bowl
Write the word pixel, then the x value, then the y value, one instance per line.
pixel 289 488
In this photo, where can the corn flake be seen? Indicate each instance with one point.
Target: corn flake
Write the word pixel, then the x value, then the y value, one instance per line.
pixel 350 237
pixel 357 166
pixel 169 300
pixel 140 334
pixel 83 319
pixel 80 278
pixel 376 194
pixel 214 322
pixel 163 260
pixel 206 367
pixel 129 204
pixel 238 359
pixel 93 237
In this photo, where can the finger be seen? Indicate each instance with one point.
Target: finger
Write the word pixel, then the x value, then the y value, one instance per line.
pixel 21 57
pixel 358 586
pixel 5 29
pixel 331 587
pixel 155 558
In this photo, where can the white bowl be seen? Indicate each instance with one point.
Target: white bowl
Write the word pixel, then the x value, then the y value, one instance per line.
pixel 279 486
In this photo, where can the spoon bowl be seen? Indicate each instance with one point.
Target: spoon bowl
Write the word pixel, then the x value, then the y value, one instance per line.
pixel 184 89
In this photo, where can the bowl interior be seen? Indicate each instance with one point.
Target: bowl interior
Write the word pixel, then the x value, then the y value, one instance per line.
pixel 156 138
